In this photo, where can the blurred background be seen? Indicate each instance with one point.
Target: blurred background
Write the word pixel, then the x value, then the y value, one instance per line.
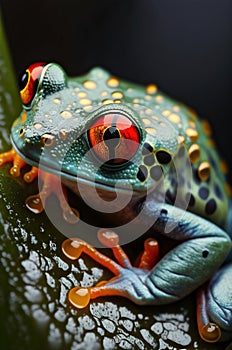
pixel 182 46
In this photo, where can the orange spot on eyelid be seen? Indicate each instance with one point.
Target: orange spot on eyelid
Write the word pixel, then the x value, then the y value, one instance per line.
pixel 24 117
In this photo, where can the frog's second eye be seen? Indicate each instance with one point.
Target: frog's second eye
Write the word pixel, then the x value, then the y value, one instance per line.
pixel 29 82
pixel 114 138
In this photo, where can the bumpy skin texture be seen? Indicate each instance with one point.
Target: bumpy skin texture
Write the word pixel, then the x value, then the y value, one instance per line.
pixel 173 146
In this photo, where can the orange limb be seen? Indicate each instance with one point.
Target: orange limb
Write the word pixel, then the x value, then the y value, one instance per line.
pixel 31 175
pixel 80 297
pixel 150 256
pixel 12 156
pixel 51 184
pixel 209 331
pixel 73 248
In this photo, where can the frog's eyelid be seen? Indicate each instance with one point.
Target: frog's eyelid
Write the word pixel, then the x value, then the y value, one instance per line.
pixel 52 79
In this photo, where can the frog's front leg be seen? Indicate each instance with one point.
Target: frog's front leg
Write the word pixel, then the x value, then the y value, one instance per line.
pixel 51 184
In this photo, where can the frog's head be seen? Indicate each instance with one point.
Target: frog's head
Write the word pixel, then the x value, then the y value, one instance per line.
pixel 93 128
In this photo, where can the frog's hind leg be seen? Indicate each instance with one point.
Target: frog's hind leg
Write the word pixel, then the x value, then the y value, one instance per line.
pixel 214 307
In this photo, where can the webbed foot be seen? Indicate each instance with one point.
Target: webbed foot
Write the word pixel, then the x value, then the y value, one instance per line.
pixel 128 281
pixel 51 184
pixel 209 331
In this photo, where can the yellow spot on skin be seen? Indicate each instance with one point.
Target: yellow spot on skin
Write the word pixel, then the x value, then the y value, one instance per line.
pixel 117 101
pixel 159 98
pixel 24 117
pixel 148 97
pixel 88 108
pixel 174 118
pixel 136 105
pixel 136 100
pixel 77 89
pixel 206 127
pixel 192 123
pixel 66 114
pixel 176 108
pixel 148 111
pixel 181 139
pixel 151 131
pixel 104 93
pixel 82 94
pixel 107 101
pixel 56 101
pixel 192 134
pixel 63 134
pixel 48 140
pixel 194 153
pixel 151 89
pixel 90 85
pixel 85 102
pixel 146 121
pixel 113 82
pixel 204 171
pixel 228 189
pixel 224 167
pixel 37 126
pixel 117 94
pixel 155 117
pixel 15 122
pixel 166 113
pixel 162 124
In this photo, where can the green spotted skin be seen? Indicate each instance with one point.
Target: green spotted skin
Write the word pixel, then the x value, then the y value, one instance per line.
pixel 53 133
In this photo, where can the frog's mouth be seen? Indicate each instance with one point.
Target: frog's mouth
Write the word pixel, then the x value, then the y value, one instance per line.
pixel 104 185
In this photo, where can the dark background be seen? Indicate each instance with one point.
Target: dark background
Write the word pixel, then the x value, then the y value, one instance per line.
pixel 185 47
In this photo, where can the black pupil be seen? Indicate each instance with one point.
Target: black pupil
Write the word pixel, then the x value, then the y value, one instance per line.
pixel 23 81
pixel 112 137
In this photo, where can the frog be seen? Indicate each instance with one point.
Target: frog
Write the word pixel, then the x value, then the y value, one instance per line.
pixel 153 166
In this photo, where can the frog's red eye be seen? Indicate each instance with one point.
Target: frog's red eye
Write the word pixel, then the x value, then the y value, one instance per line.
pixel 114 138
pixel 29 82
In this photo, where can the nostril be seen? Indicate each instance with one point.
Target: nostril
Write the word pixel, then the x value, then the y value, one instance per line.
pixel 21 132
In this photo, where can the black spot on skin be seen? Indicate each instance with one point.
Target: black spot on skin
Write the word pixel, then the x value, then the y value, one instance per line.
pixel 211 207
pixel 156 172
pixel 149 160
pixel 173 182
pixel 163 157
pixel 147 149
pixel 190 198
pixel 164 212
pixel 169 197
pixel 205 253
pixel 203 193
pixel 181 180
pixel 142 173
pixel 218 191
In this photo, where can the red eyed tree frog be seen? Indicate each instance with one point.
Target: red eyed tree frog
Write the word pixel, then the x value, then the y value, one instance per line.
pixel 144 143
